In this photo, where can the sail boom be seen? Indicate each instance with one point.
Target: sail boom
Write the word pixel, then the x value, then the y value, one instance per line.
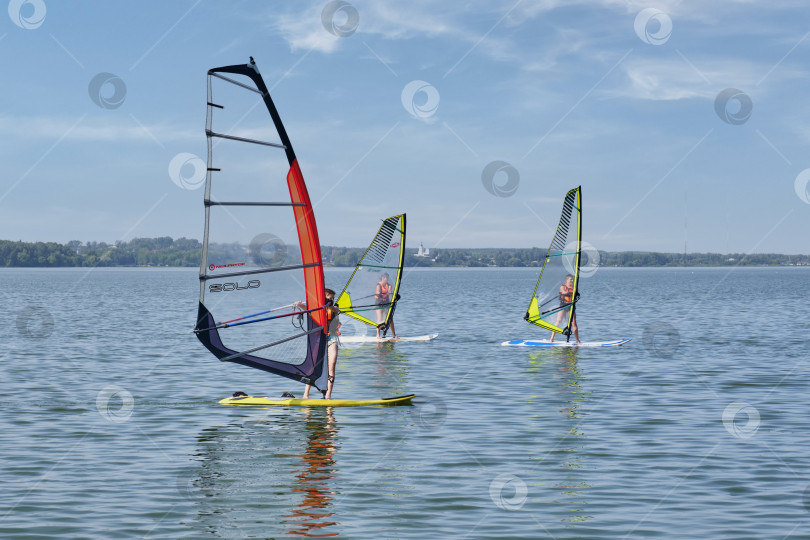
pixel 555 310
pixel 260 271
pixel 237 83
pixel 379 266
pixel 241 203
pixel 244 139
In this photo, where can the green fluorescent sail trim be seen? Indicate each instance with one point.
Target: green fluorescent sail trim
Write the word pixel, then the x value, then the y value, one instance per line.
pixel 548 326
pixel 377 266
pixel 344 304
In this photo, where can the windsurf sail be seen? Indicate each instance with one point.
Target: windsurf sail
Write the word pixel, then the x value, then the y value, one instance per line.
pixel 553 302
pixel 261 274
pixel 372 292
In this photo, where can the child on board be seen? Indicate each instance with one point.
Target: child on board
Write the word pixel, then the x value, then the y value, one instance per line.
pixel 329 301
pixel 333 322
pixel 382 299
pixel 566 299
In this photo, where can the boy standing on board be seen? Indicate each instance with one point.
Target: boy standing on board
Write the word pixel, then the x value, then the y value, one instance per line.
pixel 566 291
pixel 382 299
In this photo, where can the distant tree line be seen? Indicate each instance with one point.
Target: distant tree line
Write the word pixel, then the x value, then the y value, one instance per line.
pixel 165 251
pixel 534 257
pixel 639 258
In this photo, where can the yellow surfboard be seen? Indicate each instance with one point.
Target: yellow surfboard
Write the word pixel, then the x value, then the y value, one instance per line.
pixel 298 402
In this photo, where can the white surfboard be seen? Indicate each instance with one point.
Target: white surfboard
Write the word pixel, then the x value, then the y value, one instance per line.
pixel 562 343
pixel 375 339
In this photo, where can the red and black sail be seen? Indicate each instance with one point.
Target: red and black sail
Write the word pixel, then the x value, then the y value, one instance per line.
pixel 261 275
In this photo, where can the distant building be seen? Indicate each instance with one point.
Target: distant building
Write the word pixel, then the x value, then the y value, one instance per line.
pixel 422 252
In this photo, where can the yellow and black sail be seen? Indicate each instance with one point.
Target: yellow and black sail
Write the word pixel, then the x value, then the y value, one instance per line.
pixel 372 291
pixel 553 302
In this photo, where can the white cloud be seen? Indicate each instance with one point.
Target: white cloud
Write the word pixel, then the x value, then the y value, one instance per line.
pixel 566 43
pixel 662 85
pixel 304 30
pixel 679 78
pixel 680 9
pixel 405 20
pixel 399 21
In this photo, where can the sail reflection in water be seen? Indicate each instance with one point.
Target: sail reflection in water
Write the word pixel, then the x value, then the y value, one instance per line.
pixel 268 473
pixel 314 480
pixel 563 461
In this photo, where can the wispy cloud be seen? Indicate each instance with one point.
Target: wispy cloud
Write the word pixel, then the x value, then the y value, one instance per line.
pixel 303 29
pixel 564 43
pixel 654 83
pixel 417 19
pixel 235 43
pixel 674 78
pixel 675 8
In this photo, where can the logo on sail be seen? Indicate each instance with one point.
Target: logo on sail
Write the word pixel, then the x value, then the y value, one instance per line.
pixel 212 267
pixel 226 287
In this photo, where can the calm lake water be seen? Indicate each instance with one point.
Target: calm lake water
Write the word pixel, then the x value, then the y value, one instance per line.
pixel 697 428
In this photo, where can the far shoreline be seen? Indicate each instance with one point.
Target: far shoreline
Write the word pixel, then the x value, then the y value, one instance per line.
pixel 166 252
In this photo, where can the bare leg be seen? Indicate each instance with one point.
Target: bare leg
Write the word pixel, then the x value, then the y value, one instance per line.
pixel 332 361
pixel 379 320
pixel 557 323
pixel 393 332
pixel 306 391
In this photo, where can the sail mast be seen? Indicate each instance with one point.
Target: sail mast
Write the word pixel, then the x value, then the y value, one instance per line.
pixel 578 243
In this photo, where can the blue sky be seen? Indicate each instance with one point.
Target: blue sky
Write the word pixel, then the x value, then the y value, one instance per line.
pixel 404 110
